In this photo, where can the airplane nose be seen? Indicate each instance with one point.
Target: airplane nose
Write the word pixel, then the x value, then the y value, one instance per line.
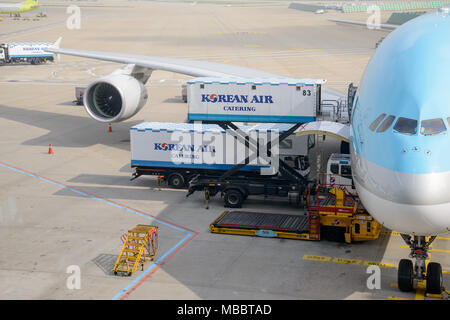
pixel 407 203
pixel 413 188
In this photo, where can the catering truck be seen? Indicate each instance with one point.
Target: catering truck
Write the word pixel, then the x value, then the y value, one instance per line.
pixel 177 152
pixel 283 100
pixel 25 52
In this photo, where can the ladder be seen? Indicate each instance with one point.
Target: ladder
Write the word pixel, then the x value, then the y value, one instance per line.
pixel 139 247
pixel 313 219
pixel 314 225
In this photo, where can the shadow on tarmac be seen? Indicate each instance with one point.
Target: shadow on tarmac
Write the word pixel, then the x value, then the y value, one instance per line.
pixel 71 131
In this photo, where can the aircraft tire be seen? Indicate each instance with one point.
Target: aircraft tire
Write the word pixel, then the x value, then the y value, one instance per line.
pixel 405 275
pixel 434 278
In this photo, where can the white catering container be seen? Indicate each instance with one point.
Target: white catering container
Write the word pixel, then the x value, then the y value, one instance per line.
pixel 28 49
pixel 207 146
pixel 253 100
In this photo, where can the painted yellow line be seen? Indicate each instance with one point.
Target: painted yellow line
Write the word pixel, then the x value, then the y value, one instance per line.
pixel 301 49
pixel 347 261
pixel 379 264
pixel 252 45
pixel 445 271
pixel 395 285
pixel 420 290
pixel 316 258
pixel 440 250
pixel 398 298
pixel 394 233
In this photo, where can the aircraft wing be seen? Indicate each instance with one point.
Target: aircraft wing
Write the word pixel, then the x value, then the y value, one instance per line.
pixel 366 24
pixel 193 68
pixel 189 67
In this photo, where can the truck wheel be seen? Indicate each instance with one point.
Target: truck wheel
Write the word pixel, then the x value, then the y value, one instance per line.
pixel 176 181
pixel 434 278
pixel 233 199
pixel 405 275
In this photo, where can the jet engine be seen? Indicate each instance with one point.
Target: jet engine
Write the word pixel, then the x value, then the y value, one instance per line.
pixel 114 98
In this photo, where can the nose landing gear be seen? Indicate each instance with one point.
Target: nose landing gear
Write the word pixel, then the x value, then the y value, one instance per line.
pixel 409 274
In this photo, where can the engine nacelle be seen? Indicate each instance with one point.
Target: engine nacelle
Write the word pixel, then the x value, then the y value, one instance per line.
pixel 114 98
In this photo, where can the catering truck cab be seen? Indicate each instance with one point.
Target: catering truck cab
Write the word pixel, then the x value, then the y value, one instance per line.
pixel 339 172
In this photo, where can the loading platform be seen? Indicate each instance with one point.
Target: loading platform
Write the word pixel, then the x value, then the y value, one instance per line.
pixel 271 225
pixel 332 213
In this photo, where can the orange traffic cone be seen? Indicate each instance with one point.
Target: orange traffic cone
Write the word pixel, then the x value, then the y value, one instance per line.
pixel 50 149
pixel 109 128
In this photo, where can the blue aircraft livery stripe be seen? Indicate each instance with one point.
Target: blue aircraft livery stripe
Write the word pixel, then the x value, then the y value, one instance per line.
pixel 249 118
pixel 415 87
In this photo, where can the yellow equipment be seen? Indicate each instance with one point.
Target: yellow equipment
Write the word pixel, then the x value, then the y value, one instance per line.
pixel 139 247
pixel 341 214
pixel 332 213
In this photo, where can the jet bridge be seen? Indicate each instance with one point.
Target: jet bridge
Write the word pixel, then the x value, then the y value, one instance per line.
pixel 337 130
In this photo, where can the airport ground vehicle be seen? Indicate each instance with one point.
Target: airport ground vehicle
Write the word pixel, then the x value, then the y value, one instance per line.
pixel 79 92
pixel 339 172
pixel 332 214
pixel 25 52
pixel 236 189
pixel 184 93
pixel 177 152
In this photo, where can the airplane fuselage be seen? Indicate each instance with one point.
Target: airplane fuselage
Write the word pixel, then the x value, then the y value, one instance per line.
pixel 400 131
pixel 18 7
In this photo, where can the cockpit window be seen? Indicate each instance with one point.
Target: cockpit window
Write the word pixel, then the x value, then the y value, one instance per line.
pixel 377 121
pixel 386 124
pixel 432 127
pixel 406 126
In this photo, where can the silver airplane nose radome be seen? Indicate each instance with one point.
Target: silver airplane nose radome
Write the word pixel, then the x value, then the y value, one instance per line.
pixel 405 201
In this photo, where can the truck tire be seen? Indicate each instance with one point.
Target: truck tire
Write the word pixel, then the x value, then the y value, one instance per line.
pixel 434 278
pixel 176 180
pixel 405 275
pixel 233 198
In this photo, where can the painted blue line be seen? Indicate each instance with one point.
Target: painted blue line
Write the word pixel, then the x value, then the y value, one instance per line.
pixel 151 267
pixel 94 197
pixel 157 262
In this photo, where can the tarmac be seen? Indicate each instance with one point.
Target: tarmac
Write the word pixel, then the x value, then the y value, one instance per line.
pixel 70 208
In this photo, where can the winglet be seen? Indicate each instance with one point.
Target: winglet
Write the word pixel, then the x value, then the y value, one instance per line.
pixel 57 43
pixel 56 46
